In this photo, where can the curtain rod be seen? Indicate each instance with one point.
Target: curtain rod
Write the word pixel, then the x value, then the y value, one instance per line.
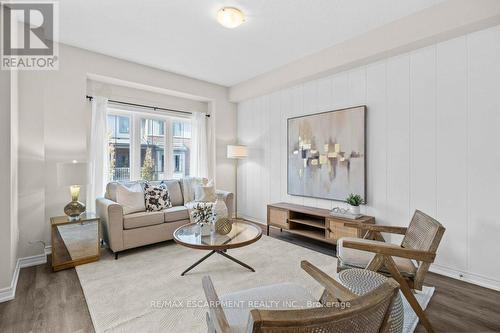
pixel 90 98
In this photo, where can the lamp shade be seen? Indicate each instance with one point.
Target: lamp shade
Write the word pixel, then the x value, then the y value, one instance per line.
pixel 237 151
pixel 74 173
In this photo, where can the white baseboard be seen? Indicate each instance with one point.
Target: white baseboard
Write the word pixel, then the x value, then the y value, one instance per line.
pixel 38 259
pixel 9 293
pixel 251 219
pixel 466 277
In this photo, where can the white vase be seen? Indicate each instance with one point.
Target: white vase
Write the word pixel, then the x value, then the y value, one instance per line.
pixel 220 209
pixel 354 210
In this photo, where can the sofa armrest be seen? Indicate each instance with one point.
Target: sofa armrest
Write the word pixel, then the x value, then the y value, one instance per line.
pixel 111 215
pixel 228 198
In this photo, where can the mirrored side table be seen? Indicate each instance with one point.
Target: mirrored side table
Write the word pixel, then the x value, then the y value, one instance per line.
pixel 75 242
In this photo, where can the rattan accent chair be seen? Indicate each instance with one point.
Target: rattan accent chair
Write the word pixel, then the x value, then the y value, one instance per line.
pixel 407 263
pixel 363 314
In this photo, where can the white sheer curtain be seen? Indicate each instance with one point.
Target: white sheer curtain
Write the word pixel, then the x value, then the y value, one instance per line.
pixel 98 164
pixel 199 147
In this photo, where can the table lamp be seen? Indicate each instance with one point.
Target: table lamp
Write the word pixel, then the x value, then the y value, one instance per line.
pixel 74 175
pixel 236 152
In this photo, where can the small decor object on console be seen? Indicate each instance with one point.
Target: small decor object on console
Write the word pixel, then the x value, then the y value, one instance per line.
pixel 223 226
pixel 345 213
pixel 354 200
pixel 156 198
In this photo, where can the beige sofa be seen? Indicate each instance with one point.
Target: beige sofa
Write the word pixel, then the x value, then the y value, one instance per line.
pixel 122 232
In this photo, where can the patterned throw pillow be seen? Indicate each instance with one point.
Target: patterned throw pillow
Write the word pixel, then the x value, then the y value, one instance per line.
pixel 157 198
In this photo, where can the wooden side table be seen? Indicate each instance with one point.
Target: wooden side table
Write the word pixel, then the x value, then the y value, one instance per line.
pixel 75 242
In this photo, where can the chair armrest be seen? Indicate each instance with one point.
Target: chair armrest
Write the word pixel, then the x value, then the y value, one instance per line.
pixel 217 317
pixel 379 228
pixel 390 250
pixel 228 198
pixel 111 215
pixel 331 285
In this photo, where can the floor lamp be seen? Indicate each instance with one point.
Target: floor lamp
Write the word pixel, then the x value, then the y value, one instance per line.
pixel 236 152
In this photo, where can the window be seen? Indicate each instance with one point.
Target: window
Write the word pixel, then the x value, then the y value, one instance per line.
pixel 152 149
pixel 181 142
pixel 118 148
pixel 182 129
pixel 147 147
pixel 124 125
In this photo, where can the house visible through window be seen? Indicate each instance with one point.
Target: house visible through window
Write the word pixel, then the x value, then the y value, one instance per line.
pixel 152 149
pixel 181 147
pixel 119 147
pixel 138 144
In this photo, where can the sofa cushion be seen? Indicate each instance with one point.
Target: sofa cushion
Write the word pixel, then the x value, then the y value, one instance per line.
pixel 157 197
pixel 188 184
pixel 205 193
pixel 173 187
pixel 360 259
pixel 142 219
pixel 130 198
pixel 174 190
pixel 176 213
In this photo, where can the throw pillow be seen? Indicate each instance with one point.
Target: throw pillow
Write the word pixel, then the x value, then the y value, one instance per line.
pixel 157 197
pixel 131 199
pixel 205 193
pixel 188 185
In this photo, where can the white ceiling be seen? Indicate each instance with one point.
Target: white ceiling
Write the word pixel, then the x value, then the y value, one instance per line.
pixel 182 36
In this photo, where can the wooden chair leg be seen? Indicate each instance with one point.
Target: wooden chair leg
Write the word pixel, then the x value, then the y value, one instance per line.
pixel 378 236
pixel 376 263
pixel 407 292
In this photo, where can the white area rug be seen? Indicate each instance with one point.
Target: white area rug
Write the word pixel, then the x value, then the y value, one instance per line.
pixel 143 291
pixel 411 320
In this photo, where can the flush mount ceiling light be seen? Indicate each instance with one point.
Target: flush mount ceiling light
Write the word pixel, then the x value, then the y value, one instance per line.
pixel 230 17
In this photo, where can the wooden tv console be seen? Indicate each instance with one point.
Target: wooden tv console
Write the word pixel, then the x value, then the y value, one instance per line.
pixel 315 223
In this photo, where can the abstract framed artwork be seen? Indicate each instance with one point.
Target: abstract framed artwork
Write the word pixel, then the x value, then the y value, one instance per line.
pixel 326 154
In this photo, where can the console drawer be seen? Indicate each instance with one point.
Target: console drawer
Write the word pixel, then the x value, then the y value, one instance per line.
pixel 337 229
pixel 277 217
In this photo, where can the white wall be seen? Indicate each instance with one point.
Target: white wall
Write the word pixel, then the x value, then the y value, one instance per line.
pixel 8 177
pixel 54 120
pixel 140 96
pixel 433 132
pixel 447 19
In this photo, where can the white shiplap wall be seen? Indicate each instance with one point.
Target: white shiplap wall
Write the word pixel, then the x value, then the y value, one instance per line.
pixel 433 138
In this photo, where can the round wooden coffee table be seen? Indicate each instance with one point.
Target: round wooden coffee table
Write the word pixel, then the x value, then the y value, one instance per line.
pixel 242 233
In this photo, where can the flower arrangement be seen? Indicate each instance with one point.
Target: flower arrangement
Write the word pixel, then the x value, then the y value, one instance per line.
pixel 202 213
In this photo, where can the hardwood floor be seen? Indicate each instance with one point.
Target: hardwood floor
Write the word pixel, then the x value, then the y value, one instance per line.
pixel 46 302
pixel 54 302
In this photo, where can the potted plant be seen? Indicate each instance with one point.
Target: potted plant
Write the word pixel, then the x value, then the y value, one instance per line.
pixel 354 200
pixel 203 214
